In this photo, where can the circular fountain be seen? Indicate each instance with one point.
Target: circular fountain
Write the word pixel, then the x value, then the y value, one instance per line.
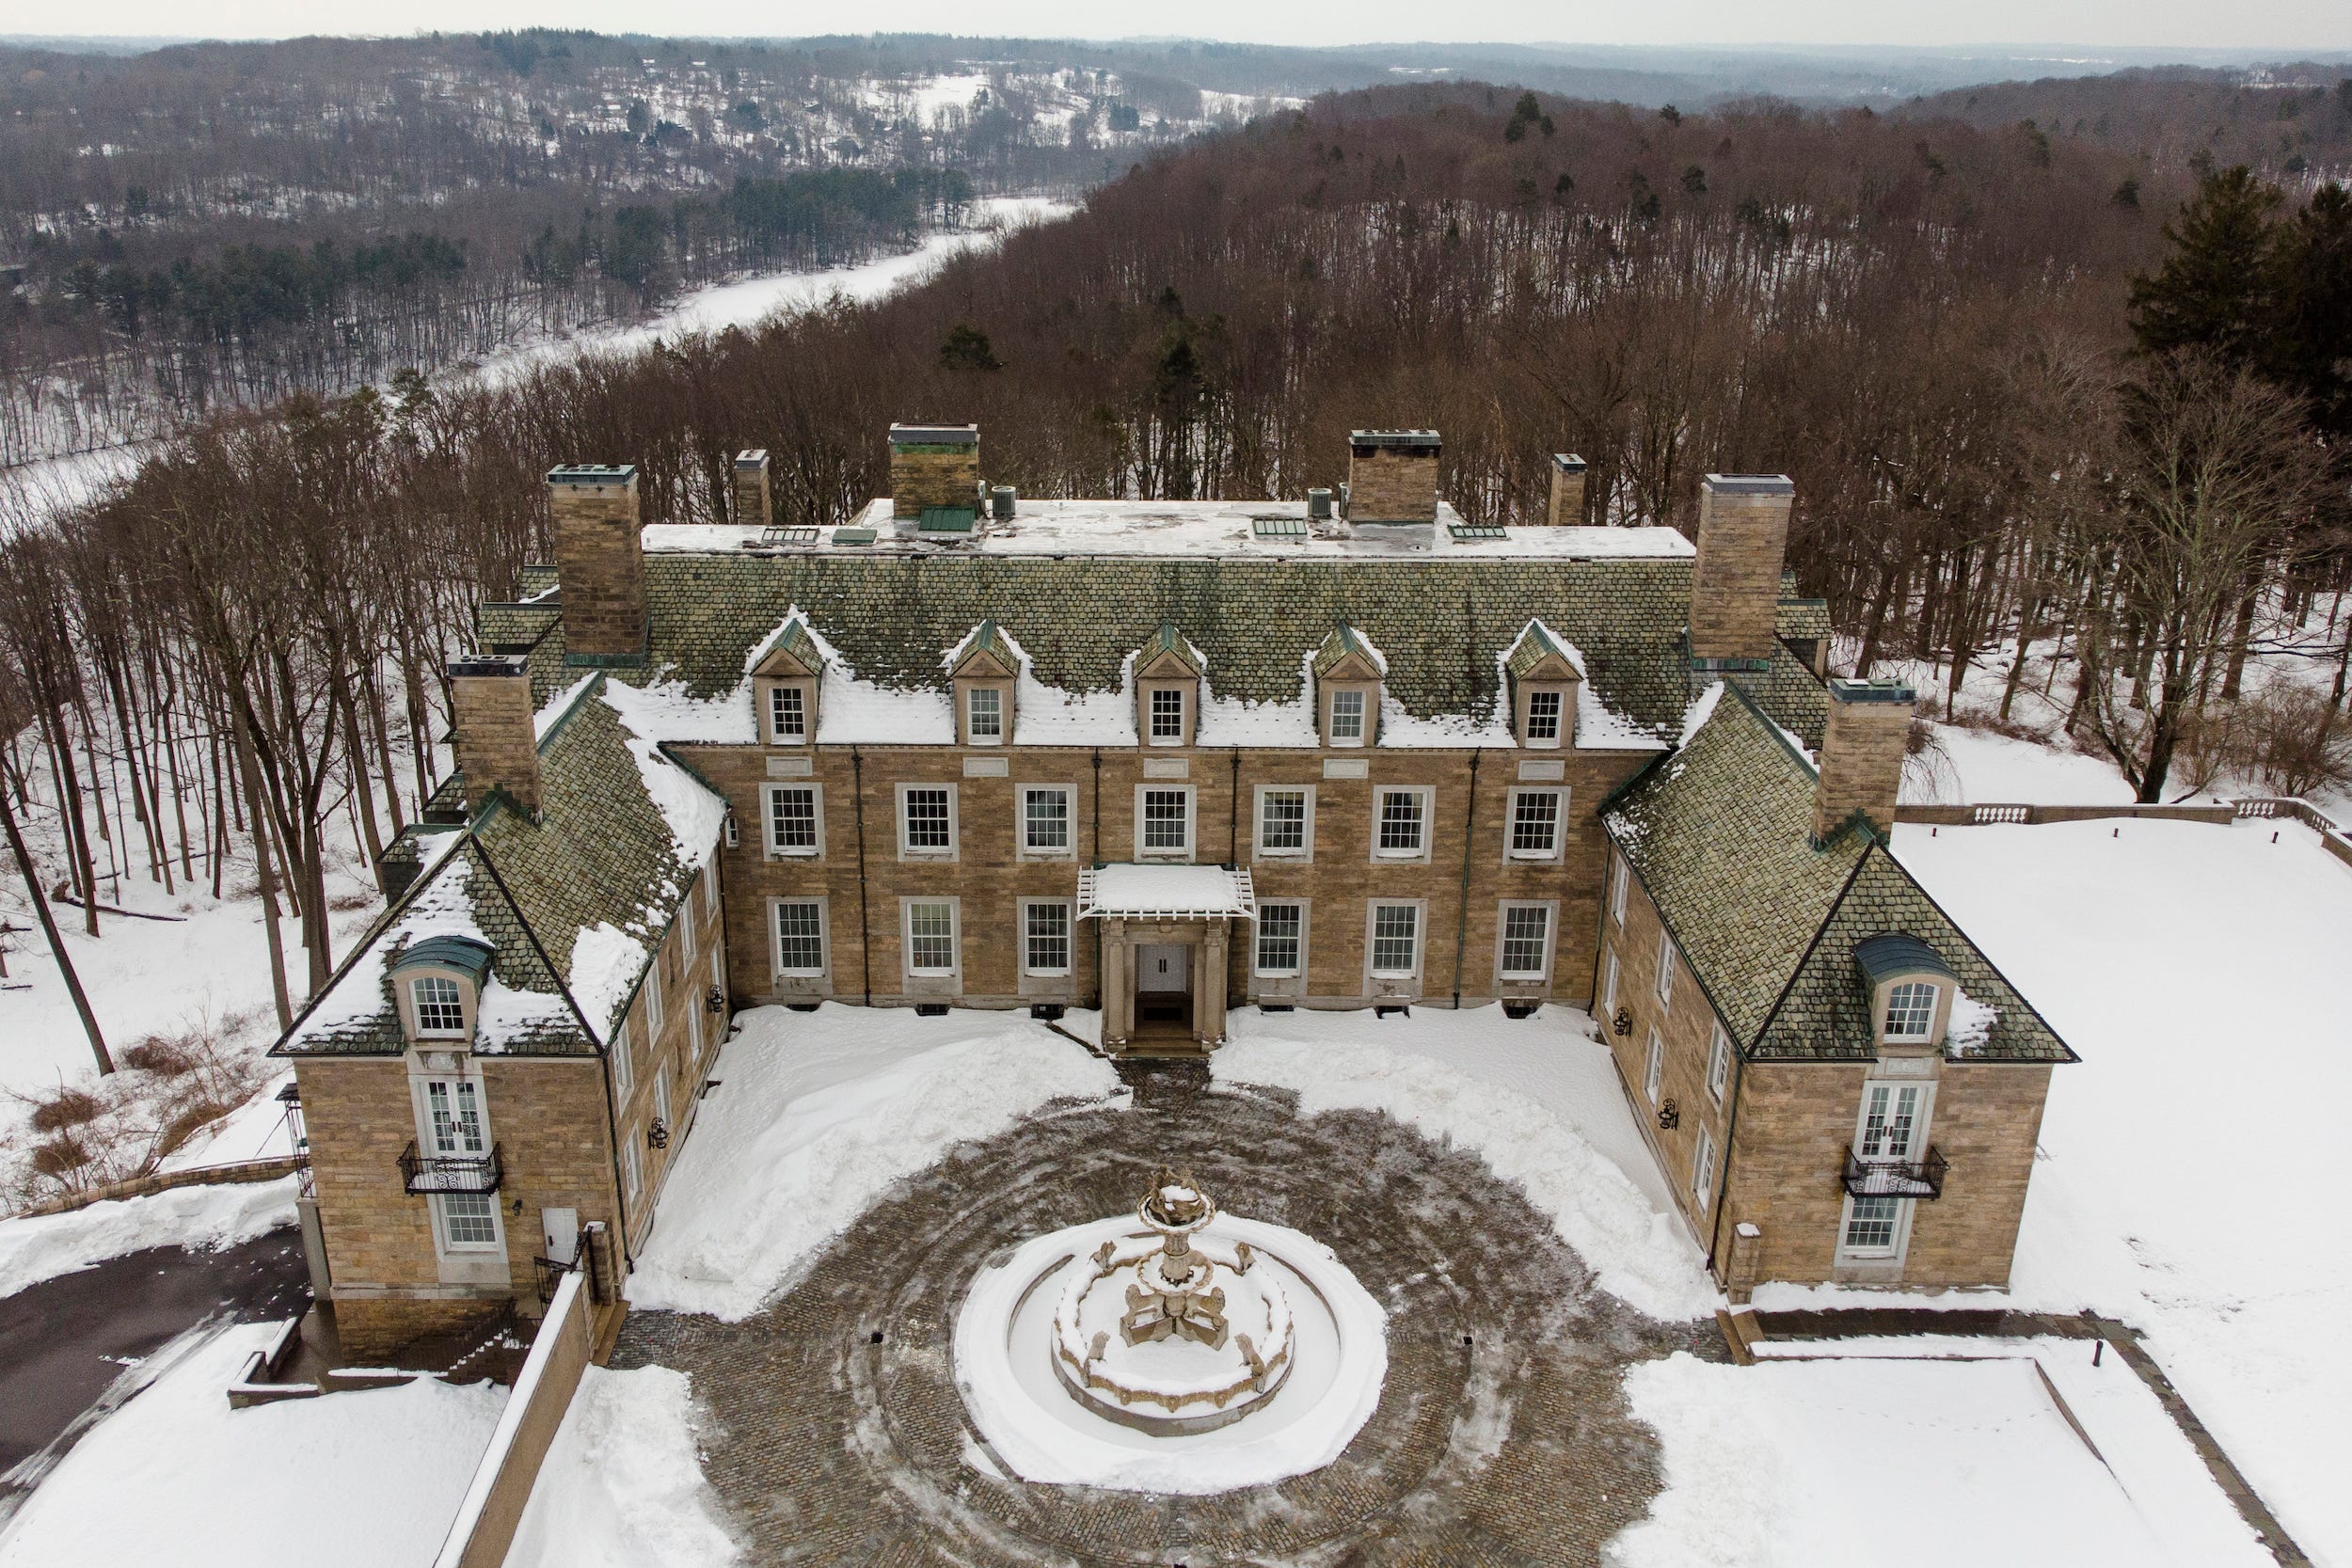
pixel 1180 1350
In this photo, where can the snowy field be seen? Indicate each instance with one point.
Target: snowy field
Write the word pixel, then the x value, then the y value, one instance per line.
pixel 368 1480
pixel 2199 971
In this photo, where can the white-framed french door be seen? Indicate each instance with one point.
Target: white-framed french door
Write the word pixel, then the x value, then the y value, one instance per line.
pixel 1891 1129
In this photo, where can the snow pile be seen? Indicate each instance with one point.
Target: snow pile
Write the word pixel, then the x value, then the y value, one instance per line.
pixel 696 813
pixel 622 1486
pixel 818 1114
pixel 1760 1470
pixel 358 1479
pixel 605 962
pixel 1638 1252
pixel 1970 1026
pixel 199 1219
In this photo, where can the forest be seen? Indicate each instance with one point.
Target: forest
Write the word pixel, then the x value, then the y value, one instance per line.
pixel 2031 388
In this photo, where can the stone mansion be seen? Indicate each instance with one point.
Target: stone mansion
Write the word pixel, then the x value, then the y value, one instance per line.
pixel 1163 759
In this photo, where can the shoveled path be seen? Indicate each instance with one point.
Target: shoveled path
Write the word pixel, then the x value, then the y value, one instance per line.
pixel 1501 1437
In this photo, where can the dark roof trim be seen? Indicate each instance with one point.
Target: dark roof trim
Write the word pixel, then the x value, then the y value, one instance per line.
pixel 593 473
pixel 466 954
pixel 1898 953
pixel 1751 484
pixel 934 435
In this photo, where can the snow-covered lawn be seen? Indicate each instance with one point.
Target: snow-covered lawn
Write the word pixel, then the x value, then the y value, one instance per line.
pixel 623 1485
pixel 2190 1182
pixel 817 1114
pixel 207 1218
pixel 358 1479
pixel 1846 1463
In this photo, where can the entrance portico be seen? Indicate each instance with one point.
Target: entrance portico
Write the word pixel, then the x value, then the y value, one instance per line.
pixel 1166 932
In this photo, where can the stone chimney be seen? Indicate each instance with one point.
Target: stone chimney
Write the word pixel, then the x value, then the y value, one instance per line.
pixel 933 465
pixel 1862 754
pixel 753 501
pixel 1735 583
pixel 599 564
pixel 492 729
pixel 1392 476
pixel 1567 491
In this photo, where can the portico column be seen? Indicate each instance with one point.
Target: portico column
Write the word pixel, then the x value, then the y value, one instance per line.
pixel 1208 985
pixel 1118 987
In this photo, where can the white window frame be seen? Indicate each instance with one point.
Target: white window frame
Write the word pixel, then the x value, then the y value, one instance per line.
pixel 460 1086
pixel 624 1055
pixel 1152 735
pixel 1550 911
pixel 632 1168
pixel 687 948
pixel 710 873
pixel 776 733
pixel 1887 1013
pixel 972 695
pixel 1068 849
pixel 1558 795
pixel 446 1243
pixel 1256 953
pixel 1608 981
pixel 651 990
pixel 770 794
pixel 1703 1169
pixel 1923 1120
pixel 1619 876
pixel 955 938
pixel 955 828
pixel 1069 937
pixel 1259 848
pixel 1528 738
pixel 661 1095
pixel 776 966
pixel 1666 962
pixel 1718 1064
pixel 1653 1064
pixel 1363 700
pixel 1372 937
pixel 417 1005
pixel 1899 1230
pixel 1192 806
pixel 1425 798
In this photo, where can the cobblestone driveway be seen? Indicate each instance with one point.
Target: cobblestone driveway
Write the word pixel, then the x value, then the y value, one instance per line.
pixel 1502 1436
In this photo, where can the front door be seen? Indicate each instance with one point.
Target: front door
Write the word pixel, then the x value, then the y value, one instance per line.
pixel 1162 967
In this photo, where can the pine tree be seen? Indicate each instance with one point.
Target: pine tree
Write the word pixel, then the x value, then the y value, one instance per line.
pixel 2215 291
pixel 2312 354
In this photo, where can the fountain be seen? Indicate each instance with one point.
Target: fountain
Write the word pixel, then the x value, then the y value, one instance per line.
pixel 1182 1350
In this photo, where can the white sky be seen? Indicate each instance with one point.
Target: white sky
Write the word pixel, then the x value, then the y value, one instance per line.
pixel 2281 26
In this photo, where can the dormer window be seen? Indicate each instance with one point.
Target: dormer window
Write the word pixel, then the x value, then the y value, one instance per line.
pixel 1348 717
pixel 788 714
pixel 1167 716
pixel 1167 688
pixel 1909 1013
pixel 981 669
pixel 984 707
pixel 1348 672
pixel 436 984
pixel 1543 718
pixel 1909 990
pixel 440 1007
pixel 1545 675
pixel 787 671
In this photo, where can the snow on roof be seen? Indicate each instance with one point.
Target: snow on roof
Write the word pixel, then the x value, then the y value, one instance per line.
pixel 605 962
pixel 559 708
pixel 1183 891
pixel 1165 527
pixel 696 813
pixel 1695 718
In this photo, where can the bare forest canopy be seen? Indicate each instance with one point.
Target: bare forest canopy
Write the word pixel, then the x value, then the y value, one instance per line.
pixel 2293 122
pixel 2020 396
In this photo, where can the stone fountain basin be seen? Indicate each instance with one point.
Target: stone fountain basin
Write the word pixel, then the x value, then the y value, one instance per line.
pixel 1006 1368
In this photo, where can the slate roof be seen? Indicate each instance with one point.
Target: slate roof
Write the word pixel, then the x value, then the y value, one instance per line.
pixel 1342 641
pixel 1719 834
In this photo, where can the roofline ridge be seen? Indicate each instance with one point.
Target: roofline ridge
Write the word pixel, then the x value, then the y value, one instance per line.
pixel 1812 945
pixel 563 985
pixel 374 935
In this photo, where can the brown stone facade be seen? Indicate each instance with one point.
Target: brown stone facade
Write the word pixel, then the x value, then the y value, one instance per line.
pixel 861 878
pixel 1566 506
pixel 933 465
pixel 1780 1131
pixel 598 559
pixel 492 731
pixel 753 504
pixel 1862 754
pixel 1392 476
pixel 1735 582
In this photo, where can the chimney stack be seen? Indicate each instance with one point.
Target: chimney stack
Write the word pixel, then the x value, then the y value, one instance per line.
pixel 599 564
pixel 1735 583
pixel 934 466
pixel 1392 476
pixel 1862 756
pixel 492 728
pixel 1567 491
pixel 754 502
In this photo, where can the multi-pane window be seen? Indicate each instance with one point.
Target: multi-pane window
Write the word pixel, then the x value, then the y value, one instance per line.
pixel 1654 1067
pixel 1617 892
pixel 931 937
pixel 1045 937
pixel 1703 1169
pixel 1911 1010
pixel 653 1003
pixel 440 1010
pixel 1168 714
pixel 1890 1120
pixel 1281 935
pixel 662 1093
pixel 928 820
pixel 1167 821
pixel 1535 824
pixel 792 819
pixel 1526 941
pixel 1718 1064
pixel 1395 938
pixel 1401 828
pixel 1870 1224
pixel 632 1166
pixel 1543 716
pixel 1348 717
pixel 453 1108
pixel 1045 820
pixel 787 713
pixel 1608 981
pixel 623 1059
pixel 1283 821
pixel 800 937
pixel 985 714
pixel 1665 967
pixel 469 1220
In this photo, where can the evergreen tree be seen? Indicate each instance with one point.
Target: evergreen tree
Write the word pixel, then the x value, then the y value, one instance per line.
pixel 2312 353
pixel 2215 291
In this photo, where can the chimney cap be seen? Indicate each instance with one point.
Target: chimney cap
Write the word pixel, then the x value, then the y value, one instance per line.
pixel 755 457
pixel 1751 484
pixel 1394 441
pixel 593 473
pixel 934 435
pixel 1871 692
pixel 472 665
pixel 1567 463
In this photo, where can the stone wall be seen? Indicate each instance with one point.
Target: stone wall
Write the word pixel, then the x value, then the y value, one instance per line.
pixel 1393 485
pixel 492 733
pixel 933 473
pixel 1862 757
pixel 598 561
pixel 1735 582
pixel 1567 507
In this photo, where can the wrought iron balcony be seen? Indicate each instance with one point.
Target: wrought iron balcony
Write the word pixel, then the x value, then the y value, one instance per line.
pixel 1896 1177
pixel 452 1173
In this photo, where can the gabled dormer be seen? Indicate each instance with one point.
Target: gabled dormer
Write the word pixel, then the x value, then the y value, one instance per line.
pixel 982 671
pixel 788 676
pixel 437 985
pixel 1349 674
pixel 1167 688
pixel 1544 676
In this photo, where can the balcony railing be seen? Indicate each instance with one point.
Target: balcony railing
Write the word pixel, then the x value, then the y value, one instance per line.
pixel 1896 1177
pixel 452 1173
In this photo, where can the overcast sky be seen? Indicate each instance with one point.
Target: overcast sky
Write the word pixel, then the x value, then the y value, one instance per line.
pixel 2268 25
